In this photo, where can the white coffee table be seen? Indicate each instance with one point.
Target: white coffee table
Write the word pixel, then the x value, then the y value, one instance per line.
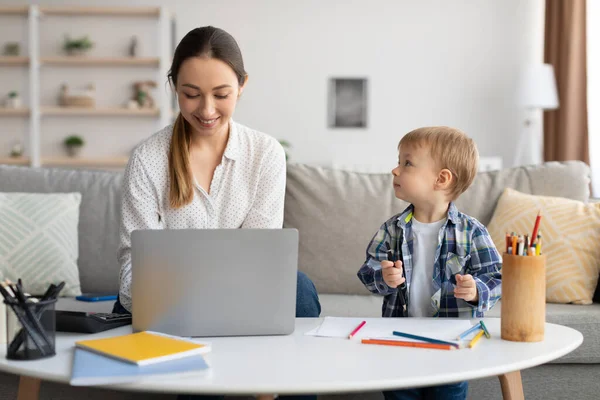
pixel 299 364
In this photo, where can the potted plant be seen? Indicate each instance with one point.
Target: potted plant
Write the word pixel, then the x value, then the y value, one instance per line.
pixel 77 46
pixel 73 144
pixel 13 100
pixel 12 49
pixel 16 150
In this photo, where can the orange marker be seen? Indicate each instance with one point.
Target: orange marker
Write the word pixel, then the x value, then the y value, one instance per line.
pixel 514 245
pixel 408 344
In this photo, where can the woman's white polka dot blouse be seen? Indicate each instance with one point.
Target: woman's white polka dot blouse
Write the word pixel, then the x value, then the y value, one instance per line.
pixel 247 191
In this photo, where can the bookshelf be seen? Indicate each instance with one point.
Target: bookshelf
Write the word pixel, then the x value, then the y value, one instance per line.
pixel 37 111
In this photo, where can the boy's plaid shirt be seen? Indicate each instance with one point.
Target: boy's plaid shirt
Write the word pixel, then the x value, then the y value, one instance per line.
pixel 464 246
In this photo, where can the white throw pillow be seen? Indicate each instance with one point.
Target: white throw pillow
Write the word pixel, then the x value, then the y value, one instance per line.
pixel 38 240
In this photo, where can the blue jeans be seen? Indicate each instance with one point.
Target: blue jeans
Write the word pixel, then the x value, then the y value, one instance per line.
pixel 453 391
pixel 307 306
pixel 307 299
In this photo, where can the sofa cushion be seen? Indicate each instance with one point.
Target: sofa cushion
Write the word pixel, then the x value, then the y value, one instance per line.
pixel 585 319
pixel 570 240
pixel 38 240
pixel 338 212
pixel 99 216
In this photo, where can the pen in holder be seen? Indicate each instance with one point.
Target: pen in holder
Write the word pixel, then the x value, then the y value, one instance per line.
pixel 523 313
pixel 30 322
pixel 31 330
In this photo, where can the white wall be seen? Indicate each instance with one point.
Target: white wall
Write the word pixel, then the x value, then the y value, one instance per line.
pixel 431 62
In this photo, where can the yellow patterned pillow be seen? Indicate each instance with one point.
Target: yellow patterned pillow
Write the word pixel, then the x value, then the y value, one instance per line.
pixel 570 239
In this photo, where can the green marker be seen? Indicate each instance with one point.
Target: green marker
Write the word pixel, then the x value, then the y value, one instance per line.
pixel 485 331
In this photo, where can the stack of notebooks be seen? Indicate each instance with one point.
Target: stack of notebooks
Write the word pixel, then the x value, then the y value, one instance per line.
pixel 128 358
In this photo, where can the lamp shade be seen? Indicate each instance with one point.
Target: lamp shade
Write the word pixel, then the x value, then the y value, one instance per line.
pixel 537 87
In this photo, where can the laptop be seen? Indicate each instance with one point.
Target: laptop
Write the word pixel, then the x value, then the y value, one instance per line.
pixel 214 282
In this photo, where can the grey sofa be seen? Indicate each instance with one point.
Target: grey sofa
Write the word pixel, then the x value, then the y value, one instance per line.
pixel 336 213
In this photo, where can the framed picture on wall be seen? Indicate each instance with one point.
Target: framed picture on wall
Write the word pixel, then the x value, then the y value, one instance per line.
pixel 347 103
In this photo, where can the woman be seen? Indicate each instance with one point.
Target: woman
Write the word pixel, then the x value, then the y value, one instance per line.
pixel 206 171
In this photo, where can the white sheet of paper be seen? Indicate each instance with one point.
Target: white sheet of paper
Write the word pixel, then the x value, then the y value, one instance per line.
pixel 435 328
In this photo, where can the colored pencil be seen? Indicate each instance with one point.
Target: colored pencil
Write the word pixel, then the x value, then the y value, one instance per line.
pixel 485 330
pixel 408 344
pixel 536 226
pixel 424 339
pixel 356 329
pixel 472 329
pixel 474 341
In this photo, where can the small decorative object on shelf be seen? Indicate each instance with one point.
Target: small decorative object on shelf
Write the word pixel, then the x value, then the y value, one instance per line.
pixel 12 49
pixel 76 47
pixel 141 94
pixel 13 100
pixel 16 149
pixel 73 144
pixel 85 99
pixel 134 47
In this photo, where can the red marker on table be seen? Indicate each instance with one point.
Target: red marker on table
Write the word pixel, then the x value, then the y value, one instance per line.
pixel 356 329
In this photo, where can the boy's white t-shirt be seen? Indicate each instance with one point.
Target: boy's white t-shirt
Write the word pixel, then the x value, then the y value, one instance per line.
pixel 425 241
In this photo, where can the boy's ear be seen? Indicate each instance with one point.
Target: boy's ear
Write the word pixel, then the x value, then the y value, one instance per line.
pixel 444 179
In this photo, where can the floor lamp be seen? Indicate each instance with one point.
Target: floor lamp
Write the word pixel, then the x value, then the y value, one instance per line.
pixel 536 91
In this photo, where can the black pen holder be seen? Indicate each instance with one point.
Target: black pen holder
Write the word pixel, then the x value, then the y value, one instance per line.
pixel 30 330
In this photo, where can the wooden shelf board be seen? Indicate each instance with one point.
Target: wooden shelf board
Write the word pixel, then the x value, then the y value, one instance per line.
pixel 107 11
pixel 14 60
pixel 100 61
pixel 111 162
pixel 14 10
pixel 108 112
pixel 14 112
pixel 14 160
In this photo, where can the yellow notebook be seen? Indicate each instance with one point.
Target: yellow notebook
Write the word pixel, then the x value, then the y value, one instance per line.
pixel 144 348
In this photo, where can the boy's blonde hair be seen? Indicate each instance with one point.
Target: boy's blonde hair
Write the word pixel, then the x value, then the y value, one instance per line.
pixel 450 148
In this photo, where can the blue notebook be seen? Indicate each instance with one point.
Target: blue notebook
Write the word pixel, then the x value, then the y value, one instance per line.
pixel 94 369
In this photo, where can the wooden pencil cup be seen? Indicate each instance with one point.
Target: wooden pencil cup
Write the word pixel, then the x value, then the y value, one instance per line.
pixel 523 312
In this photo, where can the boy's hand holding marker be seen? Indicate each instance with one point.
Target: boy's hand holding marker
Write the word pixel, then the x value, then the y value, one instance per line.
pixel 392 273
pixel 466 288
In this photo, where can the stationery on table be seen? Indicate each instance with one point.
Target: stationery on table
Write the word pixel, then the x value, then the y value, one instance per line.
pixel 29 311
pixel 94 369
pixel 144 348
pixel 402 343
pixel 425 339
pixel 523 245
pixel 476 339
pixel 356 329
pixel 430 333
